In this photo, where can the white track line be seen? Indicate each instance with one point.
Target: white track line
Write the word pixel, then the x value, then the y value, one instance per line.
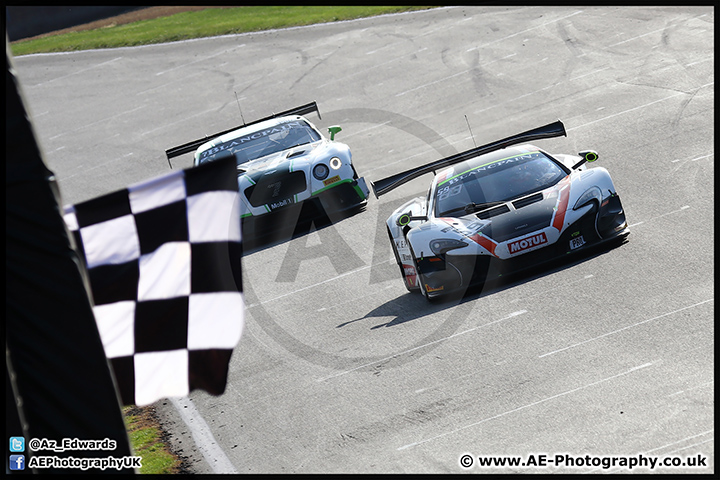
pixel 202 436
pixel 624 328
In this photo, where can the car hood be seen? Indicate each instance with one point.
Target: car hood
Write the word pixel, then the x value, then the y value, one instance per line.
pixel 294 159
pixel 509 220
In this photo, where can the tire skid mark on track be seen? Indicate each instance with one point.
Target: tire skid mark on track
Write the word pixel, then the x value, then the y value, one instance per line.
pixel 507 317
pixel 634 369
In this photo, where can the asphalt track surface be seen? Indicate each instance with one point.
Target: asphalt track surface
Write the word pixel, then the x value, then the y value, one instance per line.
pixel 340 369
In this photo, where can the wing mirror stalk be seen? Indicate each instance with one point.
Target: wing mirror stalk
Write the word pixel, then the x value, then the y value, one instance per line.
pixel 406 218
pixel 333 130
pixel 587 156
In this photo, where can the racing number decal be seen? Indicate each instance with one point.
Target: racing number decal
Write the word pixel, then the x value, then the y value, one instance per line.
pixel 449 191
pixel 473 234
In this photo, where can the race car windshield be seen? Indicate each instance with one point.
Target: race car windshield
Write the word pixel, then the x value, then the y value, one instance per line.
pixel 498 181
pixel 261 143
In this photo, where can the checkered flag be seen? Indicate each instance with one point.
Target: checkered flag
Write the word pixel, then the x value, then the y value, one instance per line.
pixel 163 261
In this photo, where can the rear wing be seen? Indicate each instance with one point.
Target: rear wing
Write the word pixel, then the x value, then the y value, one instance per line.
pixel 381 187
pixel 192 146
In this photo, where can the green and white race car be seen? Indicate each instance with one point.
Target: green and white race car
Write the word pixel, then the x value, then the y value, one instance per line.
pixel 284 161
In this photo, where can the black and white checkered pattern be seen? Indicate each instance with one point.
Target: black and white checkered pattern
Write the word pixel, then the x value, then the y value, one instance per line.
pixel 163 258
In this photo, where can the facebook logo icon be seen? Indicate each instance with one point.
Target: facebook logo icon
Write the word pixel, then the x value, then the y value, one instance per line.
pixel 17 462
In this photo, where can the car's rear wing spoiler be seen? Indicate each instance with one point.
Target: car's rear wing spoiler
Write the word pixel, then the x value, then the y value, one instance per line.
pixel 192 146
pixel 381 187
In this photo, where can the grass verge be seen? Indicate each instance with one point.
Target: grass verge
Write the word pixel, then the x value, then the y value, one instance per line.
pixel 203 23
pixel 146 439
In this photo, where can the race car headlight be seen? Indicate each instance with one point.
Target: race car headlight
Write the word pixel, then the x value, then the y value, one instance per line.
pixel 590 194
pixel 441 246
pixel 320 171
pixel 335 163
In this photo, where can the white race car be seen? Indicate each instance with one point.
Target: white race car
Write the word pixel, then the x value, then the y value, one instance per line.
pixel 498 209
pixel 282 161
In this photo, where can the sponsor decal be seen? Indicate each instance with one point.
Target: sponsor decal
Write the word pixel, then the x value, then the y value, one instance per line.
pixel 264 133
pixel 410 275
pixel 468 230
pixel 253 136
pixel 526 243
pixel 281 203
pixel 331 180
pixel 481 169
pixel 442 176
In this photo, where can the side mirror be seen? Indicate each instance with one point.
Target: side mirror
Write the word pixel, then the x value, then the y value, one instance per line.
pixel 333 130
pixel 406 218
pixel 587 156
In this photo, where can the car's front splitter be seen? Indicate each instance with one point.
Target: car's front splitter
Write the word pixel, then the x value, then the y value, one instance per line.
pixel 454 274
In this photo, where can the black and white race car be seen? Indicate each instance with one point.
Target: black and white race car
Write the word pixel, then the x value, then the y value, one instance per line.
pixel 500 208
pixel 283 161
